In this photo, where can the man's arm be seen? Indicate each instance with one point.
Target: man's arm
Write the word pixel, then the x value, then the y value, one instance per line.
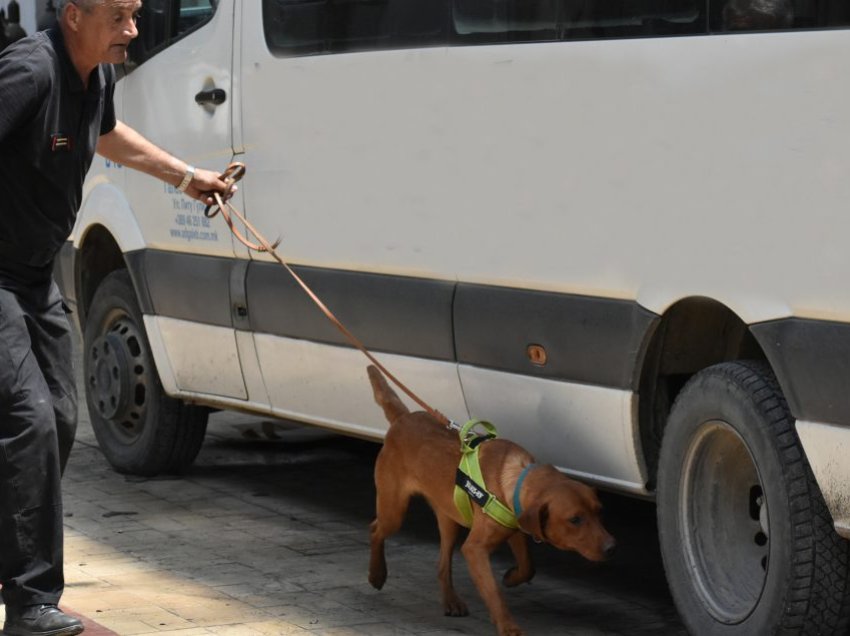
pixel 128 147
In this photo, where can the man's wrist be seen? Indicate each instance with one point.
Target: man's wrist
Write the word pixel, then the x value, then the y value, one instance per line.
pixel 187 179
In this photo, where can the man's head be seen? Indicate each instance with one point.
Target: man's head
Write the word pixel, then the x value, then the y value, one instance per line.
pixel 99 31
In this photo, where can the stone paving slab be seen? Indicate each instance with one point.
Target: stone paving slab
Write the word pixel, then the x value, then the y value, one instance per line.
pixel 271 537
pixel 268 534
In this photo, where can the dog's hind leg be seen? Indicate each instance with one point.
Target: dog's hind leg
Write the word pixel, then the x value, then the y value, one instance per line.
pixel 452 604
pixel 523 571
pixel 391 507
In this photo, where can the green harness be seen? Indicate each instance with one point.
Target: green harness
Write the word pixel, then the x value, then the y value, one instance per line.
pixel 469 481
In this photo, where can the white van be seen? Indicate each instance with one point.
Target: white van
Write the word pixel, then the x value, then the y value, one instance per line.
pixel 614 228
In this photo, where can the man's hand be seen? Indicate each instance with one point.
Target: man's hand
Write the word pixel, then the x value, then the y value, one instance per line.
pixel 206 182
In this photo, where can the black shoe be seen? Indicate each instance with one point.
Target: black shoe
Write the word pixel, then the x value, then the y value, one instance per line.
pixel 40 620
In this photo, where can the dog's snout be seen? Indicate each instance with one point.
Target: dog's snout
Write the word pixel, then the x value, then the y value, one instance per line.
pixel 609 548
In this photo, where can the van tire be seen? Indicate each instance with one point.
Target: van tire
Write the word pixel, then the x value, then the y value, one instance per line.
pixel 140 429
pixel 747 541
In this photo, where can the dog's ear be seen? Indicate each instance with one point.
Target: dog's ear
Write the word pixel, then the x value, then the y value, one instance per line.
pixel 533 521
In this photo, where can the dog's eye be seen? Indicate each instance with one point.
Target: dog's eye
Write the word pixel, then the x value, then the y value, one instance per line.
pixel 577 520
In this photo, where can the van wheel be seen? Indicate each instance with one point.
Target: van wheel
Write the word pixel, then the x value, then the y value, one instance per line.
pixel 747 541
pixel 139 428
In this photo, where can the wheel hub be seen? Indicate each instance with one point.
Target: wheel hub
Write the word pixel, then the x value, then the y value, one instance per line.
pixel 725 521
pixel 117 377
pixel 110 374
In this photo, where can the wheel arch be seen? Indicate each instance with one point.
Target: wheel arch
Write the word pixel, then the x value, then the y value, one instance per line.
pixel 105 233
pixel 98 255
pixel 692 334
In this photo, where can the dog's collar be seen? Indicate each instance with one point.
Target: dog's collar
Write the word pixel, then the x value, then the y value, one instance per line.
pixel 522 476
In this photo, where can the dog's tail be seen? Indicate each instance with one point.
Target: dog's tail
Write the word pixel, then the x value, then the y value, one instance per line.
pixel 386 398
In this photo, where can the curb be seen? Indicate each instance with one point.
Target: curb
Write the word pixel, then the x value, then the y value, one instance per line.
pixel 91 627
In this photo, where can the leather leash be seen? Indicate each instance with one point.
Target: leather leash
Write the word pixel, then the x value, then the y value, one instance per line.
pixel 234 172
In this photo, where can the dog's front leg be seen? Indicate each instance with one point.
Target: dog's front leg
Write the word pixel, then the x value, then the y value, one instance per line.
pixel 484 537
pixel 523 571
pixel 452 604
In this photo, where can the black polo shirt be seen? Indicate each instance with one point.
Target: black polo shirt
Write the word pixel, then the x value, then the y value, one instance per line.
pixel 49 128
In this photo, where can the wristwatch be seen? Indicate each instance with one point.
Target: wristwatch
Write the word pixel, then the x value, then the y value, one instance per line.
pixel 187 178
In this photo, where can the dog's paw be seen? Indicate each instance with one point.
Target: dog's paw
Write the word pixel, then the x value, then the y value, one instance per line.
pixel 514 577
pixel 511 630
pixel 455 607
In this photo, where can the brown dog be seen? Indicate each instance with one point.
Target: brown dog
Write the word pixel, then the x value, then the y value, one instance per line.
pixel 421 457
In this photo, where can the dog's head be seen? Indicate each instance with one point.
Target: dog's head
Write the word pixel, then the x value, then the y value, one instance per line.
pixel 564 513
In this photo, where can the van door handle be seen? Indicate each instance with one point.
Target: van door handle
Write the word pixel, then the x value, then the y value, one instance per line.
pixel 213 96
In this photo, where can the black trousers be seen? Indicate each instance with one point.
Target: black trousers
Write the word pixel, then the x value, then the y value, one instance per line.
pixel 38 420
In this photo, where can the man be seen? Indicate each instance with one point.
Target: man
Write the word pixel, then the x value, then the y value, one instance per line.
pixel 56 111
pixel 4 42
pixel 13 28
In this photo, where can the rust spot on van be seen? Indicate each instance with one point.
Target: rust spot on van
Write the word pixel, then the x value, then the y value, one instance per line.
pixel 537 355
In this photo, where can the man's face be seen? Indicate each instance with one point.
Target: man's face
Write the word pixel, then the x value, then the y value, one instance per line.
pixel 108 27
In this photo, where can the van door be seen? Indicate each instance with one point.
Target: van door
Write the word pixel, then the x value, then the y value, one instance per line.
pixel 319 178
pixel 179 94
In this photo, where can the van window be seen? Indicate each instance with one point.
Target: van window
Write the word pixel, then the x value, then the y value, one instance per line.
pixel 303 27
pixel 761 15
pixel 163 22
pixel 501 21
pixel 193 13
pixel 528 20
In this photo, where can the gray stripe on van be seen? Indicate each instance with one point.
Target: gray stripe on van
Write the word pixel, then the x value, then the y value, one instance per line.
pixel 587 339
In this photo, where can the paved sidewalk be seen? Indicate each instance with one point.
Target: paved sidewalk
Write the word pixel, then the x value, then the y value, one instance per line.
pixel 268 534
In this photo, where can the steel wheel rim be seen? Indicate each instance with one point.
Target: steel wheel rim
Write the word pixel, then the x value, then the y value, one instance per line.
pixel 725 525
pixel 118 377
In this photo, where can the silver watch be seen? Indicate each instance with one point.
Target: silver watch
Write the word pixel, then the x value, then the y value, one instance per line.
pixel 187 178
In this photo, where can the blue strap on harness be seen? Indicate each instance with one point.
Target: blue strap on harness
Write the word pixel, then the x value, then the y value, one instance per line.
pixel 522 476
